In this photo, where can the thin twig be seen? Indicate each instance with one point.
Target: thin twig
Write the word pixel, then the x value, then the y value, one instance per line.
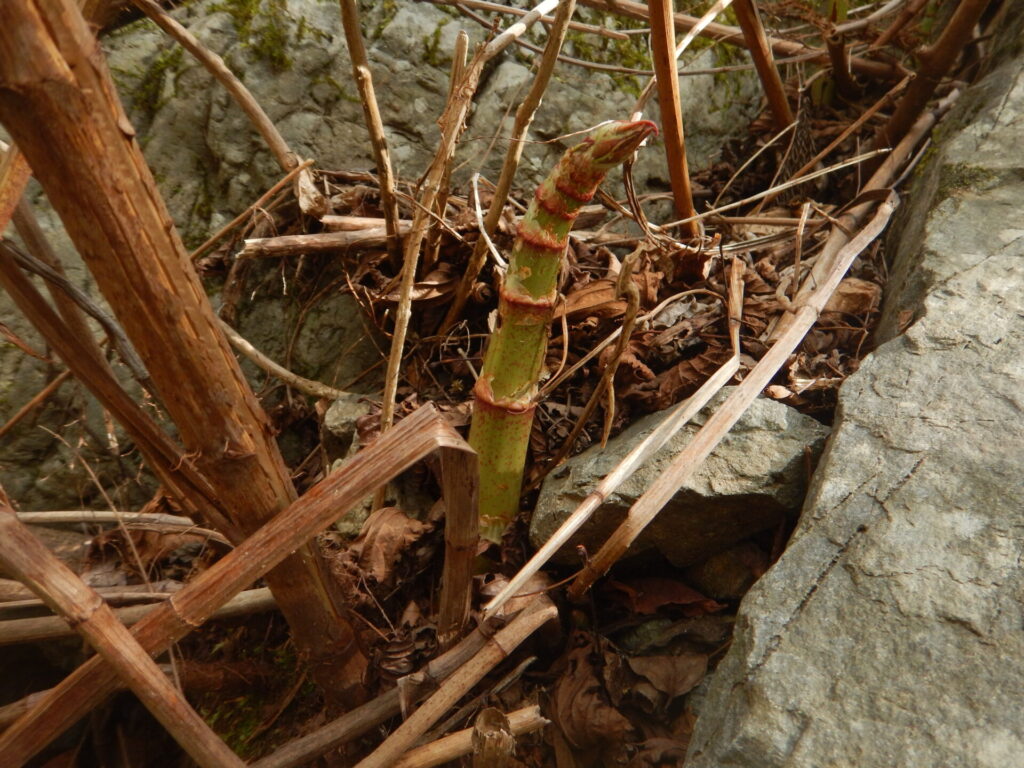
pixel 374 125
pixel 38 399
pixel 304 385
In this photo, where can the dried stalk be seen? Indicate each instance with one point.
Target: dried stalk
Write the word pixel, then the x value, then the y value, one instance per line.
pixel 452 122
pixel 419 435
pixel 640 453
pixel 514 152
pixel 261 201
pixel 537 613
pixel 302 384
pixel 438 222
pixel 551 21
pixel 56 92
pixel 761 53
pixel 311 201
pixel 14 175
pixel 910 10
pixel 322 242
pixel 374 124
pixel 410 689
pixel 840 57
pixel 722 420
pixel 82 608
pixel 168 462
pixel 663 48
pixel 338 223
pixel 734 36
pixel 525 720
pixel 936 60
pixel 461 534
pixel 34 630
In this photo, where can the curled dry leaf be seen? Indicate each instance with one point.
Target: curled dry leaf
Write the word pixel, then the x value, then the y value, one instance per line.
pixel 385 535
pixel 854 296
pixel 581 708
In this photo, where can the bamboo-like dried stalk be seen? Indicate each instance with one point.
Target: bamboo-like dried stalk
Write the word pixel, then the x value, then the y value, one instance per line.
pixel 537 613
pixel 338 223
pixel 909 11
pixel 321 242
pixel 504 392
pixel 663 47
pixel 420 434
pixel 56 94
pixel 374 124
pixel 82 608
pixel 311 200
pixel 734 35
pixel 524 117
pixel 453 746
pixel 461 534
pixel 935 62
pixel 34 630
pixel 761 53
pixel 452 122
pixel 410 689
pixel 492 740
pixel 840 58
pixel 639 454
pixel 12 591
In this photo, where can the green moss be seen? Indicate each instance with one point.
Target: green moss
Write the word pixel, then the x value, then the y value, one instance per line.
pixel 432 52
pixel 387 11
pixel 149 93
pixel 961 177
pixel 343 92
pixel 262 27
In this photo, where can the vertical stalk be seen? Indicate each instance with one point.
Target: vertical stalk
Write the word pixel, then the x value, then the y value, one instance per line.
pixel 504 393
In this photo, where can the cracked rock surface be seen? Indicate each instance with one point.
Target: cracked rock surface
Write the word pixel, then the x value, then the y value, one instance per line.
pixel 755 477
pixel 890 631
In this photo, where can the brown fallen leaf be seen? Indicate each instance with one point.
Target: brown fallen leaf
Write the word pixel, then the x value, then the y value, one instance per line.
pixel 646 595
pixel 854 296
pixel 581 708
pixel 385 535
pixel 673 675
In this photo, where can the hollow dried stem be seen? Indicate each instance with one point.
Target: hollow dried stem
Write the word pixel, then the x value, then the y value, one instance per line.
pixel 761 53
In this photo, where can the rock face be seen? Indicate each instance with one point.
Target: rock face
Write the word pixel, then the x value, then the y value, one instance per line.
pixel 889 633
pixel 753 478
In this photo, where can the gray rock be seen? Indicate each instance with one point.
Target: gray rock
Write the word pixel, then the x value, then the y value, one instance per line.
pixel 890 631
pixel 753 478
pixel 340 424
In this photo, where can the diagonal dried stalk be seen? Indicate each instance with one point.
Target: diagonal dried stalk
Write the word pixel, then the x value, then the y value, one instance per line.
pixel 461 534
pixel 419 435
pixel 663 46
pixel 725 417
pixel 34 565
pixel 55 91
pixel 536 614
pixel 839 252
pixel 524 117
pixel 761 53
pixel 374 124
pixel 40 397
pixel 452 122
pixel 311 200
pixel 14 175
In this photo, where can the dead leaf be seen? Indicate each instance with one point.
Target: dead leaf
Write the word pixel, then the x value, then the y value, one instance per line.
pixel 385 535
pixel 672 675
pixel 646 595
pixel 580 707
pixel 854 296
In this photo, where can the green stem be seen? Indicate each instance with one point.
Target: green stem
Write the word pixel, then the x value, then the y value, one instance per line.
pixel 504 394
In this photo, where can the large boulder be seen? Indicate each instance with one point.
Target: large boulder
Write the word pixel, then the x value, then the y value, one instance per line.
pixel 889 633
